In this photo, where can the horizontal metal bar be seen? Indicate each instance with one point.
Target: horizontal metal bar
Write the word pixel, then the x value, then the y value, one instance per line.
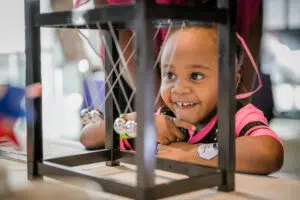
pixel 82 159
pixel 113 13
pixel 124 15
pixel 60 172
pixel 116 25
pixel 129 25
pixel 185 12
pixel 171 165
pixel 184 168
pixel 283 30
pixel 187 185
pixel 13 156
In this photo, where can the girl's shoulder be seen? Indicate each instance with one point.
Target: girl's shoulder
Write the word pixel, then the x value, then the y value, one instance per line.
pixel 250 121
pixel 248 116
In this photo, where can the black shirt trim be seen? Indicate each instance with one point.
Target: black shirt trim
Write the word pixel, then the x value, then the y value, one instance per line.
pixel 248 126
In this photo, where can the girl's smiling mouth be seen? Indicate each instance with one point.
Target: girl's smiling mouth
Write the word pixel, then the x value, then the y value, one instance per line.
pixel 184 105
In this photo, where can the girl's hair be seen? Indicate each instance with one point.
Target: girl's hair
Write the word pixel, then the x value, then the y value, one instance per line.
pixel 203 26
pixel 239 52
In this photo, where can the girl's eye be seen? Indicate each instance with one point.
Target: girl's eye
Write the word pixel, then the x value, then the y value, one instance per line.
pixel 197 76
pixel 170 76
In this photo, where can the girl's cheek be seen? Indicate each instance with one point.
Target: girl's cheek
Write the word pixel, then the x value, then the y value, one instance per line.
pixel 163 86
pixel 165 92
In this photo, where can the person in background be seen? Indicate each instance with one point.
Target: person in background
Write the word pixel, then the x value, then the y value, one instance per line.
pixel 11 109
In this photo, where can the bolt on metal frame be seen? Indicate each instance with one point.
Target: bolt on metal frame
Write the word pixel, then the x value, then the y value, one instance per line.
pixel 142 16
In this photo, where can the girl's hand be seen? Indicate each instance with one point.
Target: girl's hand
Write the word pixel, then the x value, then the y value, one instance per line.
pixel 167 128
pixel 179 151
pixel 168 131
pixel 33 91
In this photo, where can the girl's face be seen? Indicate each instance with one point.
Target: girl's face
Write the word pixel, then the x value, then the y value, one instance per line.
pixel 190 73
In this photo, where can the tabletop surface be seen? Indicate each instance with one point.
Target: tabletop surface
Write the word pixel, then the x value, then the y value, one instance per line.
pixel 247 186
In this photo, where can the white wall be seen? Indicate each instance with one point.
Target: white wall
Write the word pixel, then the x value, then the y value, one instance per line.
pixel 12 32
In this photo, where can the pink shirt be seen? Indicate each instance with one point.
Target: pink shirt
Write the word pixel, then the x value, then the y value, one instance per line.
pixel 243 117
pixel 250 113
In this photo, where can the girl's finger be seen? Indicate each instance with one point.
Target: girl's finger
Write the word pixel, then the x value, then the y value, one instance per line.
pixel 163 141
pixel 130 116
pixel 33 91
pixel 172 137
pixel 160 147
pixel 183 124
pixel 179 135
pixel 173 130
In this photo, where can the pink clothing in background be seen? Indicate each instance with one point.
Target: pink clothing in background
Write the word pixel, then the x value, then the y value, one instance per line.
pixel 246 13
pixel 163 31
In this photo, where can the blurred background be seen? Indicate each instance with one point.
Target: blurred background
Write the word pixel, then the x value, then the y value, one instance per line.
pixel 67 61
pixel 280 96
pixel 72 70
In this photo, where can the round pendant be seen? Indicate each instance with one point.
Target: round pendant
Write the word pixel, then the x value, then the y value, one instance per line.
pixel 95 116
pixel 119 125
pixel 208 151
pixel 85 116
pixel 131 127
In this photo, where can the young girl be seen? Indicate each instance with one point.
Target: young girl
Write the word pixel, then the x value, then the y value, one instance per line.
pixel 189 88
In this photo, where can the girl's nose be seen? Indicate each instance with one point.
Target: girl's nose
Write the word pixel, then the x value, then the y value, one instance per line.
pixel 181 87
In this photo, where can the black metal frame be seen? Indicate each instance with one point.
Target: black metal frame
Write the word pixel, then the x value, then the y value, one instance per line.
pixel 143 14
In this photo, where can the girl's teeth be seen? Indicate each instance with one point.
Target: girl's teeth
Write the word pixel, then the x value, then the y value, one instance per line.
pixel 185 104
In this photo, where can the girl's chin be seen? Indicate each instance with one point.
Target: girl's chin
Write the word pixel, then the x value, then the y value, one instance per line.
pixel 189 119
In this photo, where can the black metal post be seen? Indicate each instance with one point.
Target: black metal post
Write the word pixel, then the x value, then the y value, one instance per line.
pixel 111 138
pixel 33 75
pixel 145 98
pixel 226 96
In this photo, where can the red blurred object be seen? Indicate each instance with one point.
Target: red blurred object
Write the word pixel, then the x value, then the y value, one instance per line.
pixel 6 130
pixel 80 3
